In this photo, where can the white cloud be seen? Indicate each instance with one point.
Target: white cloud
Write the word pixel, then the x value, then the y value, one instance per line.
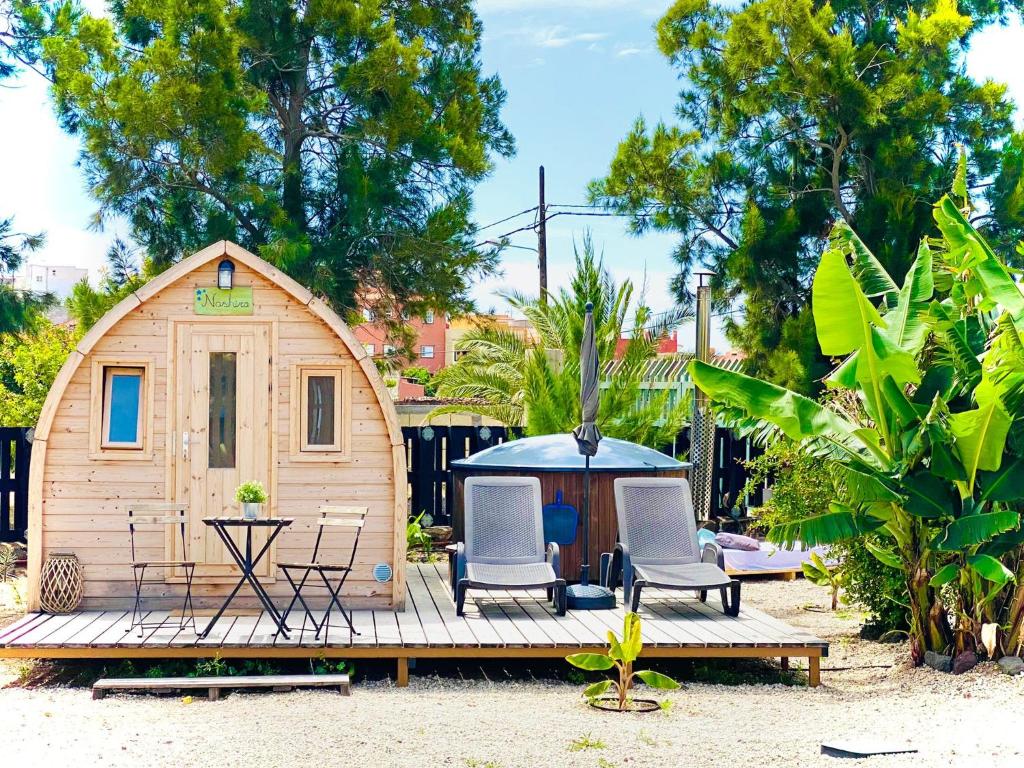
pixel 560 37
pixel 626 51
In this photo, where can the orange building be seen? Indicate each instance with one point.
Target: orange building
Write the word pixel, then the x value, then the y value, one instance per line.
pixel 430 347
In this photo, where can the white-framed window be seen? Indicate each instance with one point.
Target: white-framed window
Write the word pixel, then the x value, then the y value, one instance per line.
pixel 428 318
pixel 405 314
pixel 427 351
pixel 321 414
pixel 368 314
pixel 389 349
pixel 123 407
pixel 369 348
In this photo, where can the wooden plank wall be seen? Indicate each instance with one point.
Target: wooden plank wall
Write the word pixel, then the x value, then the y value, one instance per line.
pixel 85 501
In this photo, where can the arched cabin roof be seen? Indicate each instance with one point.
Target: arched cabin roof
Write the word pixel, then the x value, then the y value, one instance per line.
pixel 221 249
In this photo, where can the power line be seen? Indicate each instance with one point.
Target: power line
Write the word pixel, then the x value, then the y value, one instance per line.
pixel 507 218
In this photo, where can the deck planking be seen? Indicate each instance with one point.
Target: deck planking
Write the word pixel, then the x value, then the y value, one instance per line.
pixel 497 623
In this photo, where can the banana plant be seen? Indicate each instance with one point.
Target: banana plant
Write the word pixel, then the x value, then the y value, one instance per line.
pixel 818 572
pixel 622 653
pixel 927 461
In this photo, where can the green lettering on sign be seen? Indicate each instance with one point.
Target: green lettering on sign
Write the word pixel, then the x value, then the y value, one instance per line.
pixel 217 301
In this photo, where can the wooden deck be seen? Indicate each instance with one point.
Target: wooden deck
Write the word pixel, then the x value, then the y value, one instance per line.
pixel 497 624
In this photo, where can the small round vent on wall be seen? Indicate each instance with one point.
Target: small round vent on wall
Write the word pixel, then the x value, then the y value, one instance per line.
pixel 382 572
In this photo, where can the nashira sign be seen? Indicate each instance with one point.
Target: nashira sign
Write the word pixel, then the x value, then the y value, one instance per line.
pixel 220 301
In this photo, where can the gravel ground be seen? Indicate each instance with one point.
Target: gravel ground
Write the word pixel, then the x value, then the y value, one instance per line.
pixel 973 719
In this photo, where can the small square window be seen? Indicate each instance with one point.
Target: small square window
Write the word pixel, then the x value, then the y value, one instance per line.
pixel 427 351
pixel 428 318
pixel 389 349
pixel 123 406
pixel 368 348
pixel 321 420
pixel 368 315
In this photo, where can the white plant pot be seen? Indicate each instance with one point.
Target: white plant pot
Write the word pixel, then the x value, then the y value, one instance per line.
pixel 251 510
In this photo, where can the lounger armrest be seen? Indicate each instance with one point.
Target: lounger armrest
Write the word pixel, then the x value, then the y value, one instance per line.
pixel 713 553
pixel 459 569
pixel 554 558
pixel 620 565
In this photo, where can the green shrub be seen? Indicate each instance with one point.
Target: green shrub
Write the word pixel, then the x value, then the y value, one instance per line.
pixel 803 486
pixel 876 587
pixel 421 375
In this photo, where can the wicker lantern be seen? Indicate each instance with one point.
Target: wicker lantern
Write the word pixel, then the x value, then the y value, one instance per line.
pixel 60 584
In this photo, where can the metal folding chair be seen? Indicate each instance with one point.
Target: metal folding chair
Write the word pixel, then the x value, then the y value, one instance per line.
pixel 163 516
pixel 298 574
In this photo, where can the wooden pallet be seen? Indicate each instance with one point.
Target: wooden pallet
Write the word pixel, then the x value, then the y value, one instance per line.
pixel 214 685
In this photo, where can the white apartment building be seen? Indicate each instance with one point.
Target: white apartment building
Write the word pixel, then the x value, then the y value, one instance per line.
pixel 49 278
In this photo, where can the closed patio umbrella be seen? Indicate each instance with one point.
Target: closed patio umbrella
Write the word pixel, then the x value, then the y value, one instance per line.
pixel 585 595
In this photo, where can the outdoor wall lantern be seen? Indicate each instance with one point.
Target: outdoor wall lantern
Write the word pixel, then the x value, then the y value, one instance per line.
pixel 225 275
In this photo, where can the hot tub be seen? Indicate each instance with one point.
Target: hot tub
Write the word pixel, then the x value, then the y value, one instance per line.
pixel 556 462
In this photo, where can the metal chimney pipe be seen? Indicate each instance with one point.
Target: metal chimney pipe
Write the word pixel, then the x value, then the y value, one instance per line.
pixel 702 431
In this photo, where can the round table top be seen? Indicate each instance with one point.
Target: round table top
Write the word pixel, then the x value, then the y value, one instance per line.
pixel 248 521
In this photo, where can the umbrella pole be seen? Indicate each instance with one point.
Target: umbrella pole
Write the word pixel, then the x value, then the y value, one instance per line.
pixel 585 567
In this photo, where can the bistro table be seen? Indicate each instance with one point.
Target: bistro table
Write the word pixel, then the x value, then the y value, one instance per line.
pixel 247 562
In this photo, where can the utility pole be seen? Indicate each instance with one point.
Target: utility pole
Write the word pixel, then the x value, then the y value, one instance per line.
pixel 542 240
pixel 702 430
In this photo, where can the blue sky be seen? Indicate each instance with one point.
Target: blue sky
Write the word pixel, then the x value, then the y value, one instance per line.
pixel 577 72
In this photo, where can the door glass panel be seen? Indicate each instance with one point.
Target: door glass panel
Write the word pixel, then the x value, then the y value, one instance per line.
pixel 223 407
pixel 320 410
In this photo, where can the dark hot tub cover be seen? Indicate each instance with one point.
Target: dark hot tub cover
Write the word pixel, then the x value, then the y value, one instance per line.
pixel 559 453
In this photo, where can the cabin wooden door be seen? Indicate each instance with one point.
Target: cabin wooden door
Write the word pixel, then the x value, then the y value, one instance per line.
pixel 222 411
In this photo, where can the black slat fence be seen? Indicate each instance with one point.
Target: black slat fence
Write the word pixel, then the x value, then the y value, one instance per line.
pixel 429 452
pixel 15 454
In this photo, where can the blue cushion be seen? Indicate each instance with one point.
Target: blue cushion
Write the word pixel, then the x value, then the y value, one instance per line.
pixel 704 536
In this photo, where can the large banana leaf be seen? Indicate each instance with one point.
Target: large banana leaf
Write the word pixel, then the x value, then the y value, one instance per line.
pixel 847 323
pixel 883 555
pixel 990 568
pixel 972 530
pixel 1005 483
pixel 908 321
pixel 981 433
pixel 927 495
pixel 843 315
pixel 961 342
pixel 965 242
pixel 868 270
pixel 864 486
pixel 799 417
pixel 840 523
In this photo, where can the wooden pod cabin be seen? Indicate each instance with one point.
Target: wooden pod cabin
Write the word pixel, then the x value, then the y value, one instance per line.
pixel 183 391
pixel 555 460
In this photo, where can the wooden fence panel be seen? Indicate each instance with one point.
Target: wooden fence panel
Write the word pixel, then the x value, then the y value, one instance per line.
pixel 15 454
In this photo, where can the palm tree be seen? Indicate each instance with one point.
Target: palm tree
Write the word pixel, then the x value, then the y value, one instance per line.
pixel 502 375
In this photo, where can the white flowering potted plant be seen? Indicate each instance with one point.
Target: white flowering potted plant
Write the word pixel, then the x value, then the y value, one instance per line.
pixel 252 496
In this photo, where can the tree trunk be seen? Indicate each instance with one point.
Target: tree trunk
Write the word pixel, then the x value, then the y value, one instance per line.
pixel 929 625
pixel 293 134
